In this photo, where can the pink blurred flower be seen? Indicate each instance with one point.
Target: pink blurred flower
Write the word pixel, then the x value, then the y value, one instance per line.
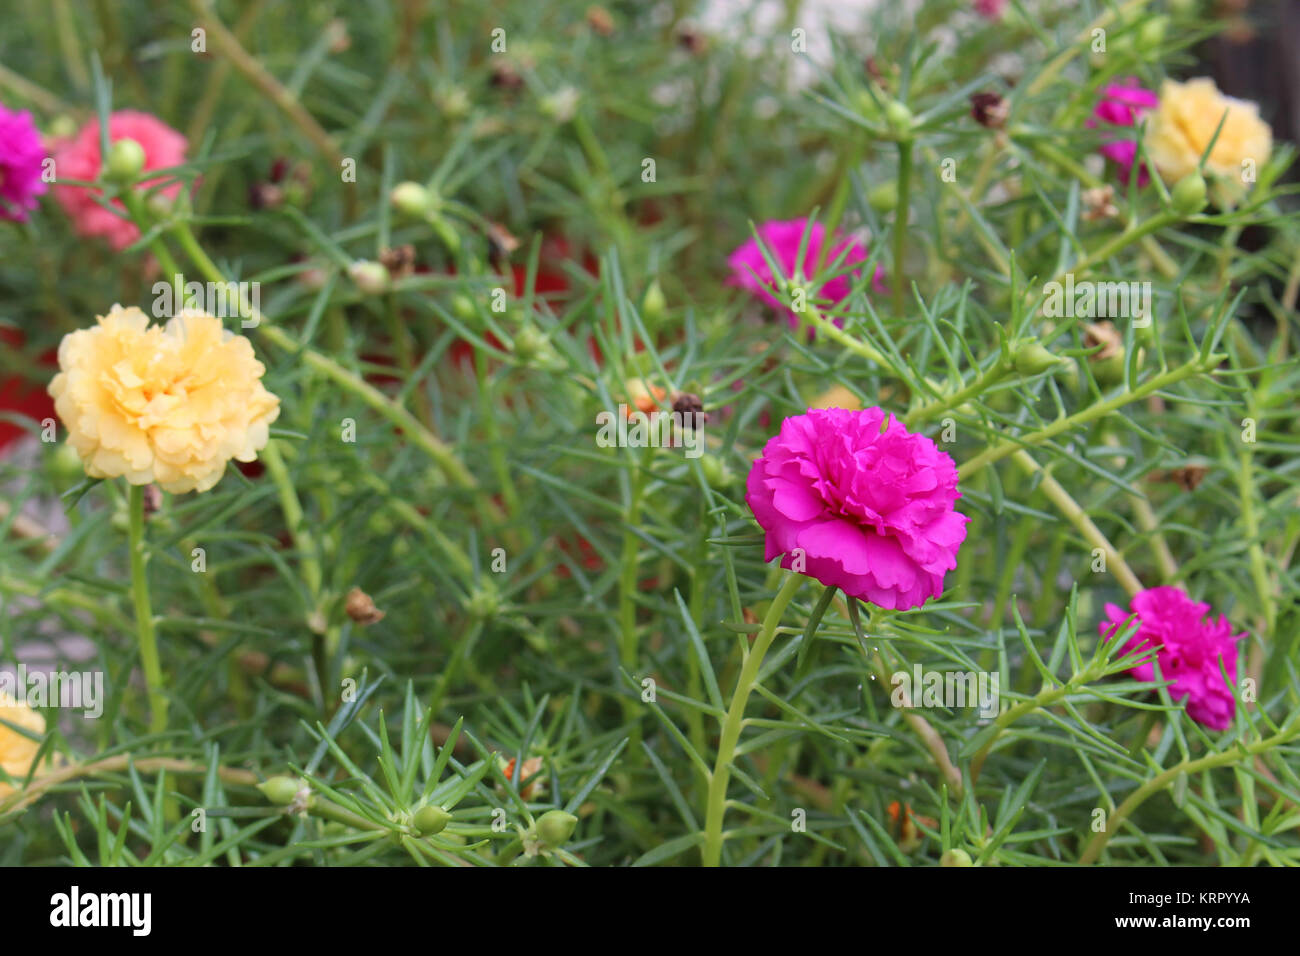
pixel 749 269
pixel 866 510
pixel 21 156
pixel 79 158
pixel 1193 646
pixel 992 9
pixel 1122 105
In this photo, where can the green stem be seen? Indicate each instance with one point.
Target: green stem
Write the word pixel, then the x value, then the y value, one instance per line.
pixel 735 720
pixel 443 455
pixel 1100 410
pixel 1188 767
pixel 144 622
pixel 900 221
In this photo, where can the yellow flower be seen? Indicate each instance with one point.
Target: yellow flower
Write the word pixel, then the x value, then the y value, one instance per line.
pixel 17 751
pixel 1184 123
pixel 167 405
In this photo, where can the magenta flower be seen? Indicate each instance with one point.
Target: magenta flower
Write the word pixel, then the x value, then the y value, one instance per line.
pixel 867 510
pixel 991 9
pixel 750 271
pixel 79 158
pixel 1122 106
pixel 1193 644
pixel 21 157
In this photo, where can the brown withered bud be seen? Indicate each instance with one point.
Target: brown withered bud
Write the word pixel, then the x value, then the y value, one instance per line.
pixel 152 499
pixel 501 242
pixel 691 408
pixel 989 110
pixel 691 40
pixel 506 77
pixel 599 19
pixel 361 608
pixel 873 69
pixel 399 262
pixel 1188 477
pixel 265 196
pixel 279 168
pixel 340 40
pixel 1107 336
pixel 1099 203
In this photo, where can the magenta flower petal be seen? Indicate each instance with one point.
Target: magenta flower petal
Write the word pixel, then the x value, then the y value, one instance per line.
pixel 750 271
pixel 1192 645
pixel 1122 106
pixel 21 159
pixel 867 510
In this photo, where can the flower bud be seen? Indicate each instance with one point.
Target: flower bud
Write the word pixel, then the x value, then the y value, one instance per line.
pixel 529 342
pixel 280 791
pixel 955 858
pixel 715 472
pixel 430 820
pixel 1188 196
pixel 410 199
pixel 370 277
pixel 654 306
pixel 554 827
pixel 899 117
pixel 1030 358
pixel 883 197
pixel 125 161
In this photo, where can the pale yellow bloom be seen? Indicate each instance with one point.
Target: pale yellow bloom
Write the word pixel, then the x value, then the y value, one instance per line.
pixel 1183 124
pixel 166 405
pixel 17 751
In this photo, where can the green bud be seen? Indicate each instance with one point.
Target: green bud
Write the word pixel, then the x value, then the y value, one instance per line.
pixel 899 117
pixel 483 603
pixel 281 791
pixel 1188 196
pixel 430 820
pixel 125 161
pixel 955 858
pixel 715 472
pixel 1109 371
pixel 65 466
pixel 884 197
pixel 554 827
pixel 1152 34
pixel 462 306
pixel 529 343
pixel 654 306
pixel 370 277
pixel 1030 358
pixel 410 199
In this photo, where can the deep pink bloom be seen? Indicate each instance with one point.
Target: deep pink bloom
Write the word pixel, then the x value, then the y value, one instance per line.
pixel 867 510
pixel 992 9
pixel 79 158
pixel 21 156
pixel 750 271
pixel 1193 645
pixel 1122 105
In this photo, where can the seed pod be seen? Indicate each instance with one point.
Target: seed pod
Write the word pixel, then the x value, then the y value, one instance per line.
pixel 280 791
pixel 430 820
pixel 554 827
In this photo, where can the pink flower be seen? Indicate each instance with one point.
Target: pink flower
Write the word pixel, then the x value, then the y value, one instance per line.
pixel 21 156
pixel 992 9
pixel 750 271
pixel 867 510
pixel 1193 646
pixel 1123 105
pixel 79 158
